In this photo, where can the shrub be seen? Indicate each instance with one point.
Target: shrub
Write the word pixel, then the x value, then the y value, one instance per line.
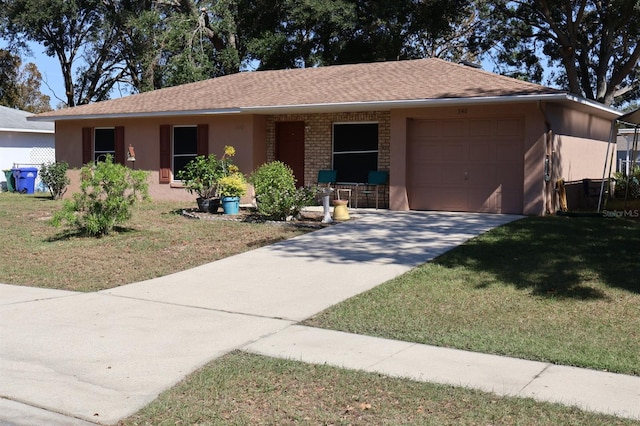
pixel 107 193
pixel 621 184
pixel 54 176
pixel 277 197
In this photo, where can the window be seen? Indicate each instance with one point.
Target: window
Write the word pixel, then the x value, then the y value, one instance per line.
pixel 104 143
pixel 355 150
pixel 185 146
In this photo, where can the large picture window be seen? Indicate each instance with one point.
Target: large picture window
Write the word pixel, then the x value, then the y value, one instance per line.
pixel 355 150
pixel 185 146
pixel 104 143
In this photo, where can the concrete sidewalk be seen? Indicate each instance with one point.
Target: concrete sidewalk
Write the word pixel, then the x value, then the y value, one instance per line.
pixel 589 390
pixel 71 358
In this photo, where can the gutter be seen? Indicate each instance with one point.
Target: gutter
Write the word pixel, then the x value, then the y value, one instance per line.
pixel 345 107
pixel 49 132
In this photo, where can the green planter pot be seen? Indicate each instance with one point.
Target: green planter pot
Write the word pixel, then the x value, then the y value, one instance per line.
pixel 231 205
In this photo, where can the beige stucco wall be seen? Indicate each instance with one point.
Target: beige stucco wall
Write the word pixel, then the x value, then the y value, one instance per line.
pixel 244 132
pixel 575 140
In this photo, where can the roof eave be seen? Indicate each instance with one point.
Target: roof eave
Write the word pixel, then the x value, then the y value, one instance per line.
pixel 437 102
pixel 136 115
pixel 350 106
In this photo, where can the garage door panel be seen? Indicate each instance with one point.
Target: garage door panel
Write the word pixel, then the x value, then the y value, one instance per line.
pixel 453 128
pixel 432 198
pixel 481 175
pixel 452 152
pixel 425 152
pixel 481 128
pixel 482 151
pixel 467 165
pixel 485 201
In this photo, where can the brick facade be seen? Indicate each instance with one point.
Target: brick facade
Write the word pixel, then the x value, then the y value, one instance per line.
pixel 318 138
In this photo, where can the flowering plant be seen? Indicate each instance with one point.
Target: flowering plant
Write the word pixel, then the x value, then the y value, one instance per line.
pixel 233 185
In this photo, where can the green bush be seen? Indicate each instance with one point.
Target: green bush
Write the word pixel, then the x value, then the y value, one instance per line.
pixel 54 175
pixel 107 193
pixel 277 197
pixel 621 184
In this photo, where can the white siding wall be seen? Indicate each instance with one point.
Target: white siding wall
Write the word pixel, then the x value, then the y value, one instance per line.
pixel 25 149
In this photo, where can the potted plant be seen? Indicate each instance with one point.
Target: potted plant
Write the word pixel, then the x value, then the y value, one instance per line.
pixel 231 188
pixel 200 176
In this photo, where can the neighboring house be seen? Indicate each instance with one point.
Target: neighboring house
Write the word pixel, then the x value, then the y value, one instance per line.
pixel 23 143
pixel 626 150
pixel 452 137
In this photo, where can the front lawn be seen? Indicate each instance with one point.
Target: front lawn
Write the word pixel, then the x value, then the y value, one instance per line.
pixel 555 289
pixel 156 242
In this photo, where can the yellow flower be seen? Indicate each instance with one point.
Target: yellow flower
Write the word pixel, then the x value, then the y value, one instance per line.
pixel 229 151
pixel 233 168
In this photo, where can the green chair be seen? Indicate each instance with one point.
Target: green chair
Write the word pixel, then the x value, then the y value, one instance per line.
pixel 327 177
pixel 375 180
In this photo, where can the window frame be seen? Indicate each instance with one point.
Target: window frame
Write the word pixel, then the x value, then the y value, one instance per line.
pixel 96 153
pixel 334 153
pixel 173 153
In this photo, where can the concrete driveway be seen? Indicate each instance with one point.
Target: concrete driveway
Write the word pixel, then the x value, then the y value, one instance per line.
pixel 71 358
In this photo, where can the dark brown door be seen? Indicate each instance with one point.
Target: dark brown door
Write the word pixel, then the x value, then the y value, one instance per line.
pixel 290 147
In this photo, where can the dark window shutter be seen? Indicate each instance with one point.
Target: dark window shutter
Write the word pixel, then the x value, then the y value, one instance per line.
pixel 165 153
pixel 119 145
pixel 203 139
pixel 87 150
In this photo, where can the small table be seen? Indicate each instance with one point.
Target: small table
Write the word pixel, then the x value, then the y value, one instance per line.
pixel 348 190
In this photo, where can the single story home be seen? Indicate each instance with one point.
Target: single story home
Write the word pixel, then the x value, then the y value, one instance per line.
pixel 23 143
pixel 451 136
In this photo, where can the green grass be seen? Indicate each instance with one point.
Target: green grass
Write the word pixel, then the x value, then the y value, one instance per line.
pixel 245 389
pixel 555 289
pixel 563 290
pixel 156 242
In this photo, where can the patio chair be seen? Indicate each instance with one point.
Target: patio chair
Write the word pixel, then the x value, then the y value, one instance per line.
pixel 326 178
pixel 375 180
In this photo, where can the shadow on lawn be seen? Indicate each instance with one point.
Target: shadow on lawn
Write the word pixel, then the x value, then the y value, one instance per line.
pixel 557 256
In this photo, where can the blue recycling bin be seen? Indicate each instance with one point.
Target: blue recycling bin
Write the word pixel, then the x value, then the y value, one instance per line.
pixel 25 179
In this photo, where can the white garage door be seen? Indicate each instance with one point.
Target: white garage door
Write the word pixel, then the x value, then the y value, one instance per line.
pixel 472 165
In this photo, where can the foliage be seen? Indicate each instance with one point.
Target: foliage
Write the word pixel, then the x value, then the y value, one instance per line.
pixel 233 185
pixel 277 197
pixel 289 34
pixel 20 86
pixel 79 33
pixel 594 45
pixel 202 174
pixel 630 190
pixel 108 191
pixel 54 175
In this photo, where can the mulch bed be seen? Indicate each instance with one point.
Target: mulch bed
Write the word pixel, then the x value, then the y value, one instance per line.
pixel 308 219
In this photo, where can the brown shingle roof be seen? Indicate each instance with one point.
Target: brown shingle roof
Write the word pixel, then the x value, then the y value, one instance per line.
pixel 342 84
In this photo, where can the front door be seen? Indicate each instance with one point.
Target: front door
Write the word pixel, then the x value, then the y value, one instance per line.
pixel 290 147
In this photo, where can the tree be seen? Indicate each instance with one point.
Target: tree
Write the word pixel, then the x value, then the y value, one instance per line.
pixel 303 33
pixel 171 42
pixel 20 86
pixel 74 31
pixel 594 44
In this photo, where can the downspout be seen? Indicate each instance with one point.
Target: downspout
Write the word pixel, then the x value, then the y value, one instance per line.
pixel 549 199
